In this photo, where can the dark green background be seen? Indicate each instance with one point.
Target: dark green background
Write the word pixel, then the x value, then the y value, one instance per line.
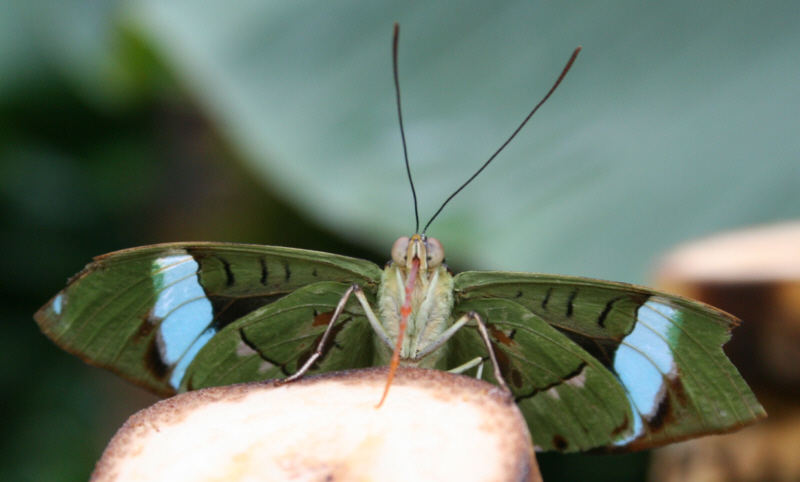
pixel 127 123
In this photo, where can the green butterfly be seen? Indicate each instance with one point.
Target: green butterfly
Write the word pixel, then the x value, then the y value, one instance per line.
pixel 591 364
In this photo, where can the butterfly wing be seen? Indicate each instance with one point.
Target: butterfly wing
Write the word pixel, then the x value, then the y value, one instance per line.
pixel 275 340
pixel 601 364
pixel 145 313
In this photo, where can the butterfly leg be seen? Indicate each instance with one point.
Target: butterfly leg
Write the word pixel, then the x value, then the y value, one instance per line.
pixel 356 290
pixel 475 362
pixel 484 333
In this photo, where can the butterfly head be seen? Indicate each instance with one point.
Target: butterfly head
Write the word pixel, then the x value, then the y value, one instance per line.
pixel 428 251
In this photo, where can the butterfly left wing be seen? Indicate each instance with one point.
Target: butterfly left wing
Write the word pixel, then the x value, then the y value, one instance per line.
pixel 601 364
pixel 144 313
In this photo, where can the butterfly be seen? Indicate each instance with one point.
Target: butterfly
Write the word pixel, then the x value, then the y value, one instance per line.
pixel 591 364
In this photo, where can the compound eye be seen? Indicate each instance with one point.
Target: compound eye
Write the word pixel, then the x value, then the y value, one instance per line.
pixel 400 250
pixel 435 252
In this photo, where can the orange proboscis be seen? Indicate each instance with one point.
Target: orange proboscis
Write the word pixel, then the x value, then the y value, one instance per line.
pixel 405 311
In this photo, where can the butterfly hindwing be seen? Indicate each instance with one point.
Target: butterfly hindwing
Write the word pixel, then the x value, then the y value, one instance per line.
pixel 145 312
pixel 275 340
pixel 664 352
pixel 571 401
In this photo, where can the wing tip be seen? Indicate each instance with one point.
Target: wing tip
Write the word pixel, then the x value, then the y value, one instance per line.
pixel 47 315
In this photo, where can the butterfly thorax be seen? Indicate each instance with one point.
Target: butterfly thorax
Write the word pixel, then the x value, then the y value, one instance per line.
pixel 431 302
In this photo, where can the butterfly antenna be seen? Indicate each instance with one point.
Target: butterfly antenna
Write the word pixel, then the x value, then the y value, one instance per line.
pixel 400 117
pixel 525 121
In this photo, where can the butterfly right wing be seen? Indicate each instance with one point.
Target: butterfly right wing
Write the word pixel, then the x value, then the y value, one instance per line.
pixel 596 363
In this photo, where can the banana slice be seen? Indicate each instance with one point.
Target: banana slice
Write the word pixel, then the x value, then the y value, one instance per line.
pixel 433 426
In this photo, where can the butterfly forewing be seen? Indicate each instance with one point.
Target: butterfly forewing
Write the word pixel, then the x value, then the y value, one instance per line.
pixel 146 312
pixel 663 352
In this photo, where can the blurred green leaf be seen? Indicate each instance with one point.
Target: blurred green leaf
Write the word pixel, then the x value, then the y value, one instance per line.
pixel 80 42
pixel 678 119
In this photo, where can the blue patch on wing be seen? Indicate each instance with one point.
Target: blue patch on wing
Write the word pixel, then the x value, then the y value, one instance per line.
pixel 180 369
pixel 643 360
pixel 185 311
pixel 58 302
pixel 181 327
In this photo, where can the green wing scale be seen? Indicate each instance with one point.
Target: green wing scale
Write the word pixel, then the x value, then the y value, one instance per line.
pixel 597 364
pixel 147 313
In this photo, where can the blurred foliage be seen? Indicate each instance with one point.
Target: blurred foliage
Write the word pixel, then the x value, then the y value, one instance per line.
pixel 126 123
pixel 678 119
